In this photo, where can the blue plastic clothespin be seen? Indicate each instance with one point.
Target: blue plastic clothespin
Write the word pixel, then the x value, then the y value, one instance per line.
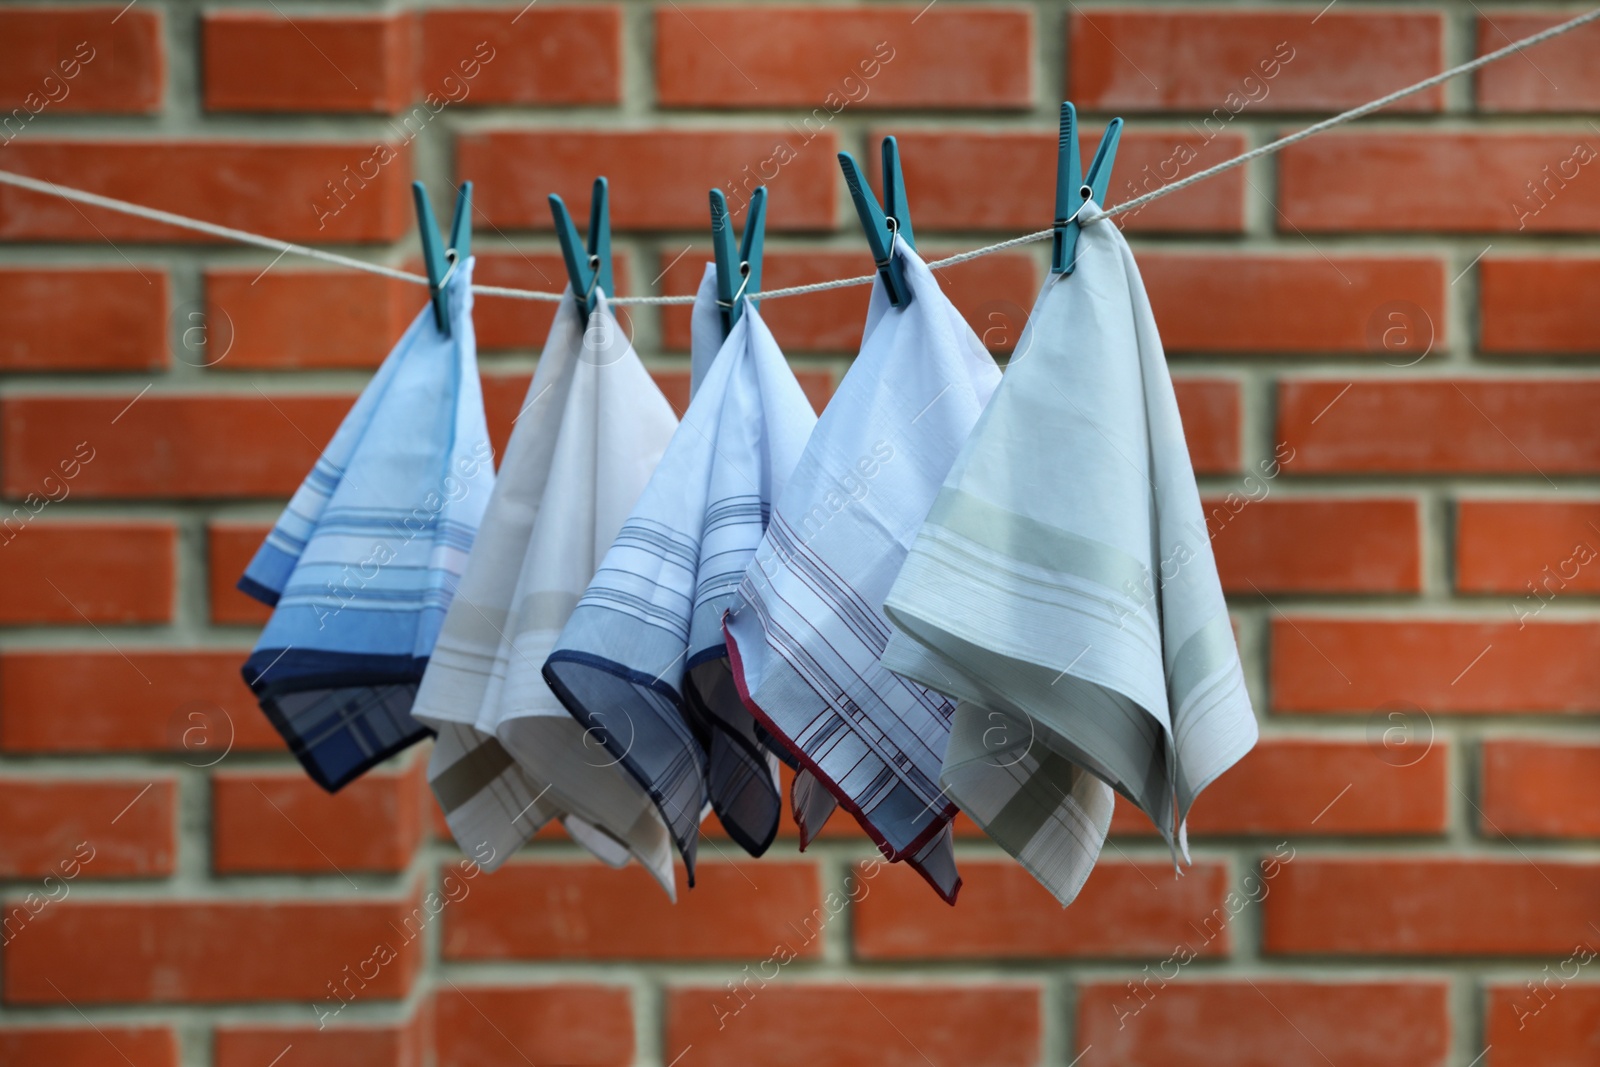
pixel 1072 188
pixel 746 266
pixel 588 270
pixel 438 258
pixel 883 224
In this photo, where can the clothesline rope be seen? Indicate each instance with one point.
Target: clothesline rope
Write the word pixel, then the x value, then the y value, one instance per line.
pixel 81 196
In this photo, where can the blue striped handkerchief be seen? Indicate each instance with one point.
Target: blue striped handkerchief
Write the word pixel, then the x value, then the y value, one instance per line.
pixel 363 562
pixel 808 633
pixel 643 661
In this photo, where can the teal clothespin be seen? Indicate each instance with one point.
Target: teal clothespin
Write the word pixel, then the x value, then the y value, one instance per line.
pixel 747 264
pixel 439 259
pixel 588 271
pixel 1072 189
pixel 883 224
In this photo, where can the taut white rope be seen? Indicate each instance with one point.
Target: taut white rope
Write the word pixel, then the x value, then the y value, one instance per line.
pixel 81 196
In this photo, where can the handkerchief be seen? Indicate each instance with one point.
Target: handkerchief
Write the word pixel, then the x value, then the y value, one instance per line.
pixel 809 631
pixel 509 758
pixel 705 329
pixel 362 564
pixel 643 660
pixel 1064 588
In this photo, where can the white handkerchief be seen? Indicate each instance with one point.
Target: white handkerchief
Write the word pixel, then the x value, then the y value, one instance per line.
pixel 1064 588
pixel 509 757
pixel 809 632
pixel 643 661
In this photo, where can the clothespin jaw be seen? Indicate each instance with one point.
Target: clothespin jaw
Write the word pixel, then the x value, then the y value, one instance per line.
pixel 588 268
pixel 1073 188
pixel 883 224
pixel 439 259
pixel 746 265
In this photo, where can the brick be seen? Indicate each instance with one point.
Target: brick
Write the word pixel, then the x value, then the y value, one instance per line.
pixel 1210 409
pixel 828 60
pixel 956 180
pixel 1535 549
pixel 1341 304
pixel 514 1026
pixel 280 821
pixel 1432 906
pixel 503 323
pixel 1263 1022
pixel 866 1024
pixel 331 1046
pixel 290 319
pixel 59 1046
pixel 170 445
pixel 1421 667
pixel 1558 76
pixel 213 446
pixel 281 188
pixel 1540 789
pixel 270 61
pixel 91 829
pixel 188 701
pixel 191 951
pixel 1233 62
pixel 1410 182
pixel 1311 787
pixel 1552 1025
pixel 995 294
pixel 585 911
pixel 658 178
pixel 1516 426
pixel 1538 306
pixel 83 319
pixel 1334 545
pixel 79 573
pixel 538 55
pixel 82 59
pixel 229 548
pixel 1127 910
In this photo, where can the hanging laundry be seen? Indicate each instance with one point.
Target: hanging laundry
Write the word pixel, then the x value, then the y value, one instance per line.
pixel 808 632
pixel 361 565
pixel 643 660
pixel 1064 588
pixel 509 758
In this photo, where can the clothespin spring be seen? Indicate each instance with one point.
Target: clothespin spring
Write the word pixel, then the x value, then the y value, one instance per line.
pixel 744 272
pixel 891 224
pixel 451 257
pixel 594 280
pixel 1085 193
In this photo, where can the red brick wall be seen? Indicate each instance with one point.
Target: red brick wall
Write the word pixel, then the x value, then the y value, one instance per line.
pixel 1383 341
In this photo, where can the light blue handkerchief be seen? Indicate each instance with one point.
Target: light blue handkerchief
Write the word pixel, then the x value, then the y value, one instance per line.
pixel 643 661
pixel 363 562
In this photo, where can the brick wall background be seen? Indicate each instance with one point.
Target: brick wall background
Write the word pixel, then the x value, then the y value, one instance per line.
pixel 1383 340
